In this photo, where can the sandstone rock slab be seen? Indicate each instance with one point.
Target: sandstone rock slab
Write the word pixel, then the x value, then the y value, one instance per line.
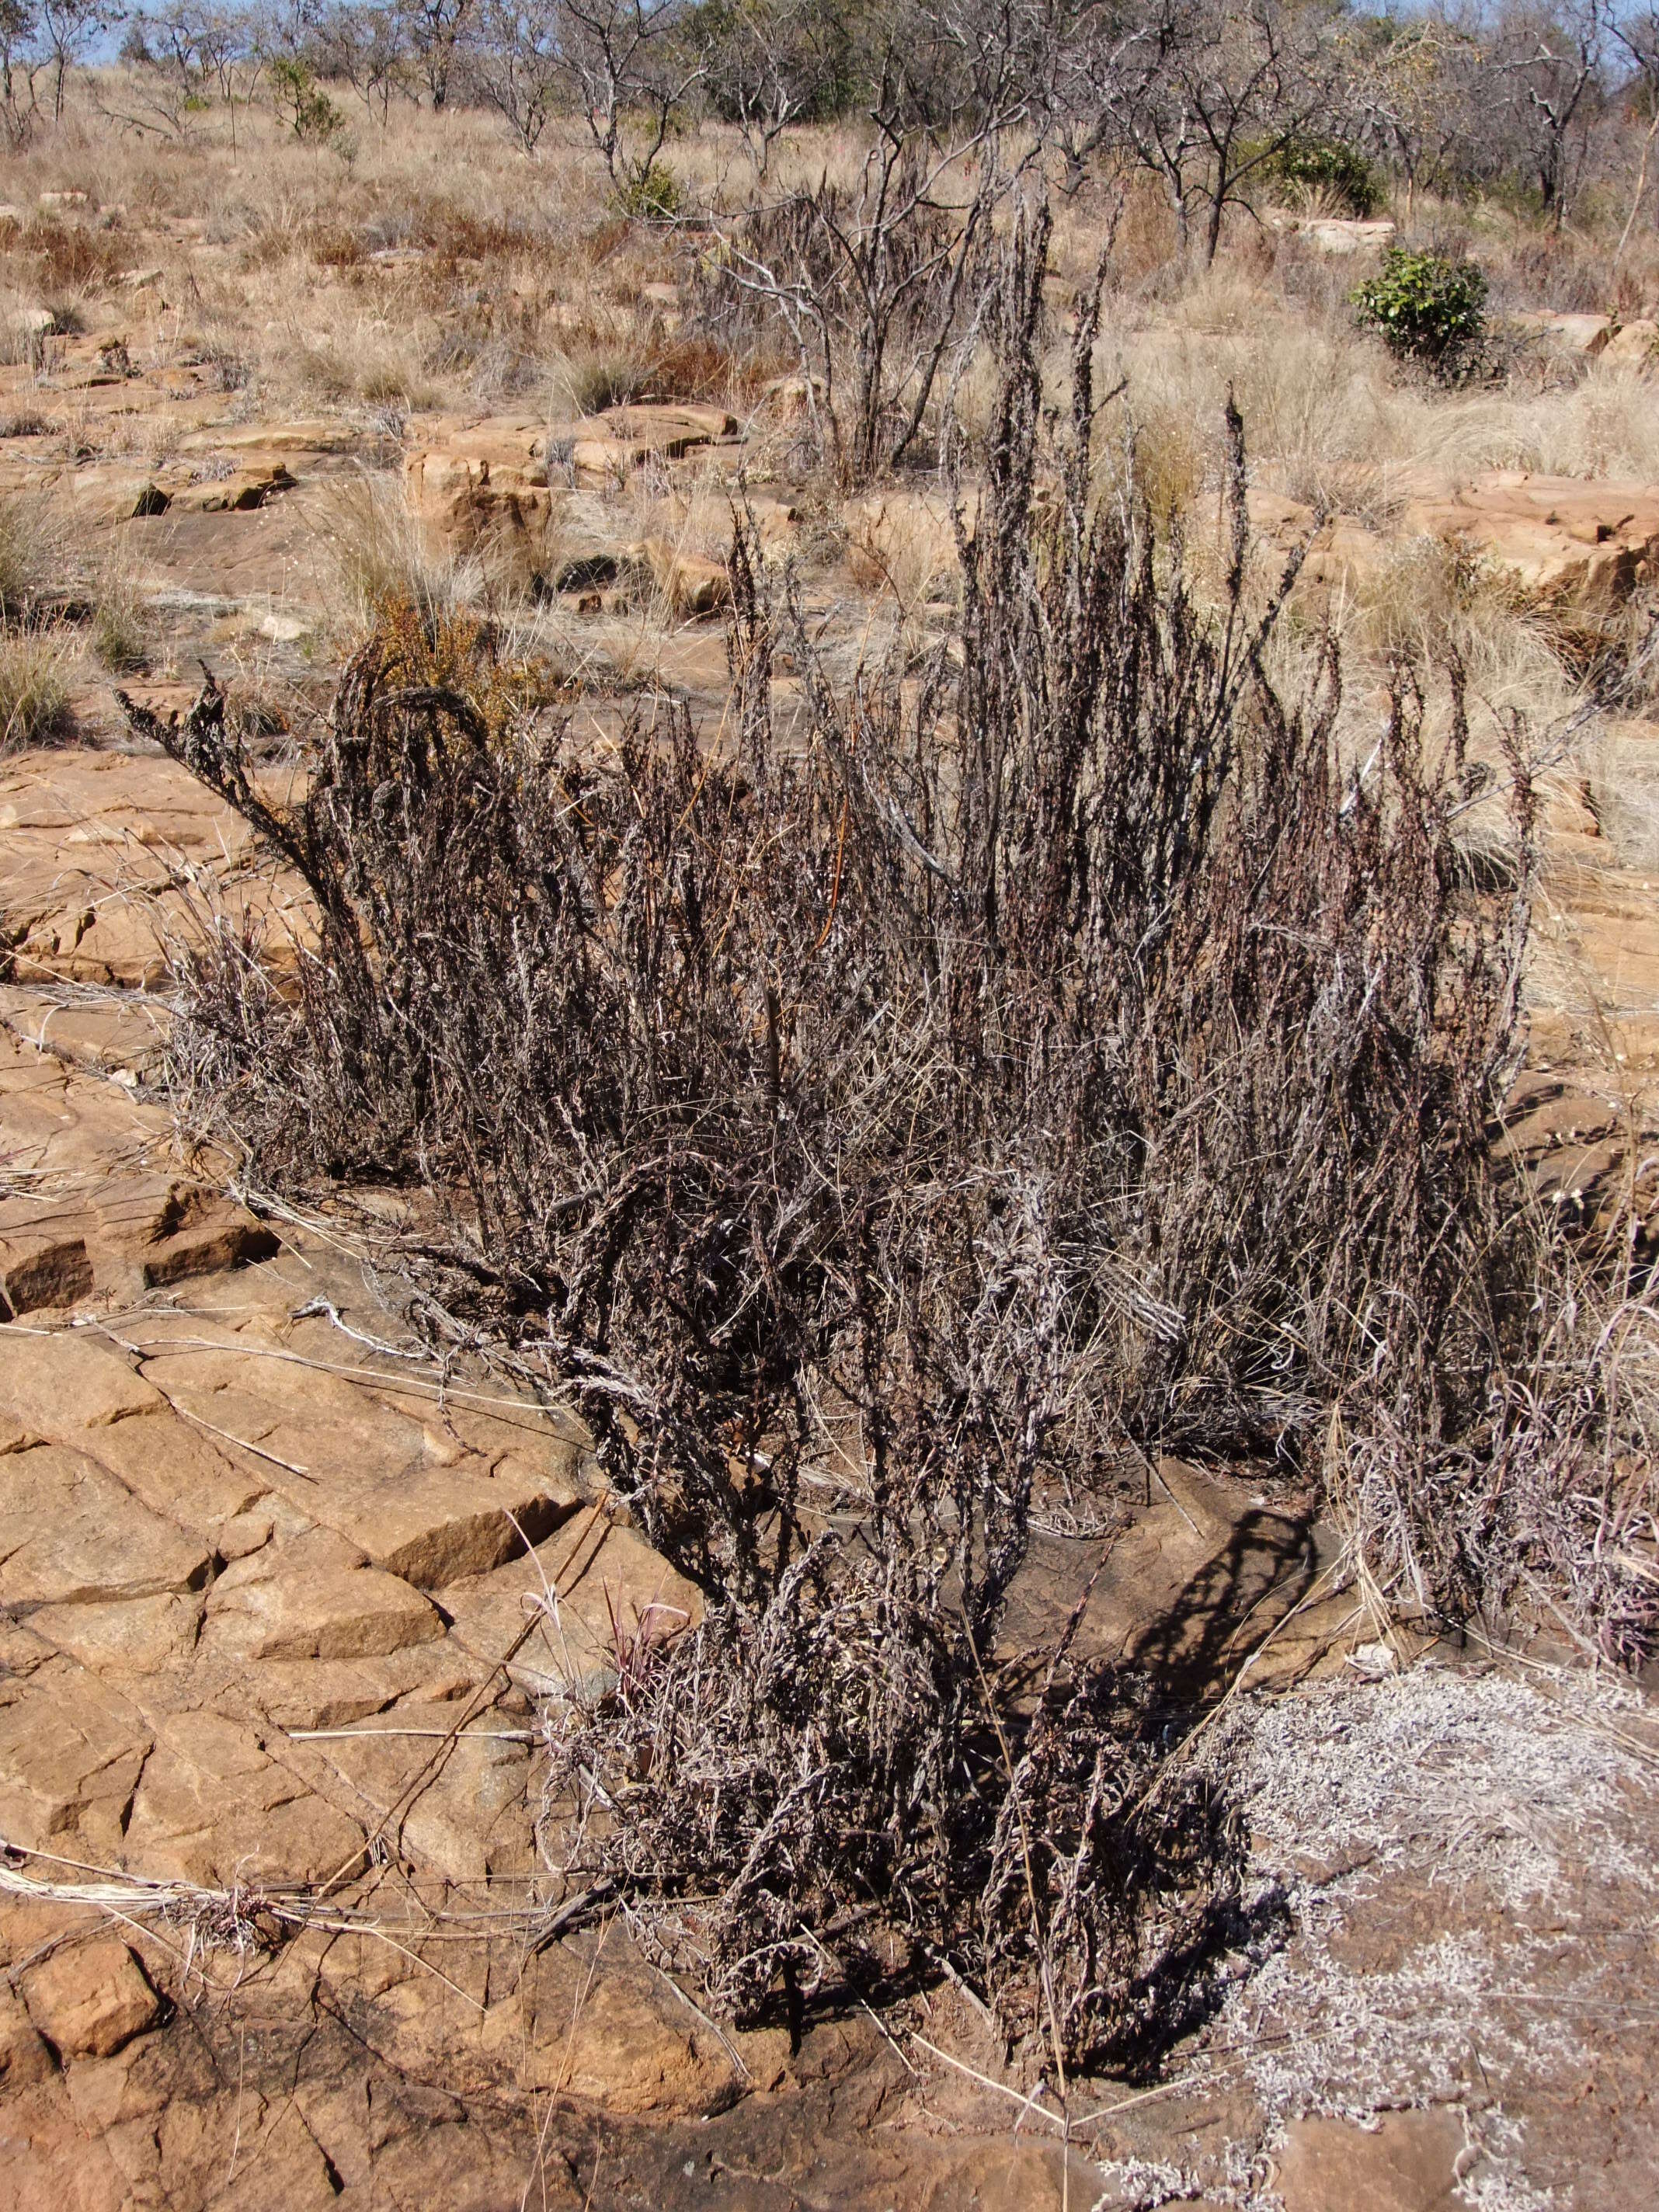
pixel 1575 333
pixel 89 1999
pixel 71 1751
pixel 902 540
pixel 370 1463
pixel 1559 539
pixel 69 1533
pixel 1578 547
pixel 213 1807
pixel 1340 236
pixel 40 1267
pixel 179 1472
pixel 463 1807
pixel 127 1636
pixel 55 1385
pixel 309 1600
pixel 1406 2162
pixel 594 1587
pixel 24 2059
pixel 691 584
pixel 1633 345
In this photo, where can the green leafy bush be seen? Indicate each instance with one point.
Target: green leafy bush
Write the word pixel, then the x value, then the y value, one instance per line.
pixel 1327 168
pixel 310 114
pixel 1426 307
pixel 650 193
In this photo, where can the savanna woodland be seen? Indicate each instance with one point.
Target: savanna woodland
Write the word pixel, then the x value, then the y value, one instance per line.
pixel 829 1104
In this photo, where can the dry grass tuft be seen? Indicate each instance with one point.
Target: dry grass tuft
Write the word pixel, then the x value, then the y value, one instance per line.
pixel 38 553
pixel 34 696
pixel 377 555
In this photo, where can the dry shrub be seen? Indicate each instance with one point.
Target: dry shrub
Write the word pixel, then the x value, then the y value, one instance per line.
pixel 120 615
pixel 376 553
pixel 333 245
pixel 868 286
pixel 614 360
pixel 70 257
pixel 1050 1060
pixel 461 236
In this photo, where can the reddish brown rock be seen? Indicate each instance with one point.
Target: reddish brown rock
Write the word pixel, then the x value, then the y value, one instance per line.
pixel 1574 334
pixel 1340 236
pixel 619 440
pixel 1557 538
pixel 214 1807
pixel 23 2058
pixel 570 1604
pixel 54 1385
pixel 1633 345
pixel 73 1534
pixel 902 540
pixel 690 585
pixel 1407 2163
pixel 1557 541
pixel 87 1999
pixel 38 1269
pixel 127 1636
pixel 71 1751
pixel 313 1600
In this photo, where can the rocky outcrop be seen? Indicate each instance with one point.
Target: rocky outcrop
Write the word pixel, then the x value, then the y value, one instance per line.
pixel 1582 334
pixel 1633 345
pixel 1578 546
pixel 1558 539
pixel 1340 236
pixel 92 848
pixel 467 477
pixel 87 2003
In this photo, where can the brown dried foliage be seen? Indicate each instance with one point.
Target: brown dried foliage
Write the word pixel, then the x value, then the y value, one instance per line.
pixel 1060 1059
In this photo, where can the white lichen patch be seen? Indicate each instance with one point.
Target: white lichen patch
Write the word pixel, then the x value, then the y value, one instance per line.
pixel 1457 1852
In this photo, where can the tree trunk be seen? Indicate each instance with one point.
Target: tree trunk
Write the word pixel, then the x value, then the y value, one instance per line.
pixel 1641 187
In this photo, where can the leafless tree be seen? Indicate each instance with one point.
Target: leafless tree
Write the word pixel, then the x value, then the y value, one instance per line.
pixel 769 64
pixel 436 30
pixel 20 69
pixel 517 65
pixel 1415 90
pixel 872 284
pixel 1237 82
pixel 1636 35
pixel 367 47
pixel 179 58
pixel 1103 68
pixel 632 74
pixel 1547 72
pixel 66 30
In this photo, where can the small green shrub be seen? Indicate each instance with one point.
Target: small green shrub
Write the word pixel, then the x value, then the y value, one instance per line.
pixel 1326 169
pixel 1426 307
pixel 310 114
pixel 651 193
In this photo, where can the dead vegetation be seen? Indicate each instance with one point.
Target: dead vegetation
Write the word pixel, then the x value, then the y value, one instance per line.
pixel 1056 1053
pixel 871 285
